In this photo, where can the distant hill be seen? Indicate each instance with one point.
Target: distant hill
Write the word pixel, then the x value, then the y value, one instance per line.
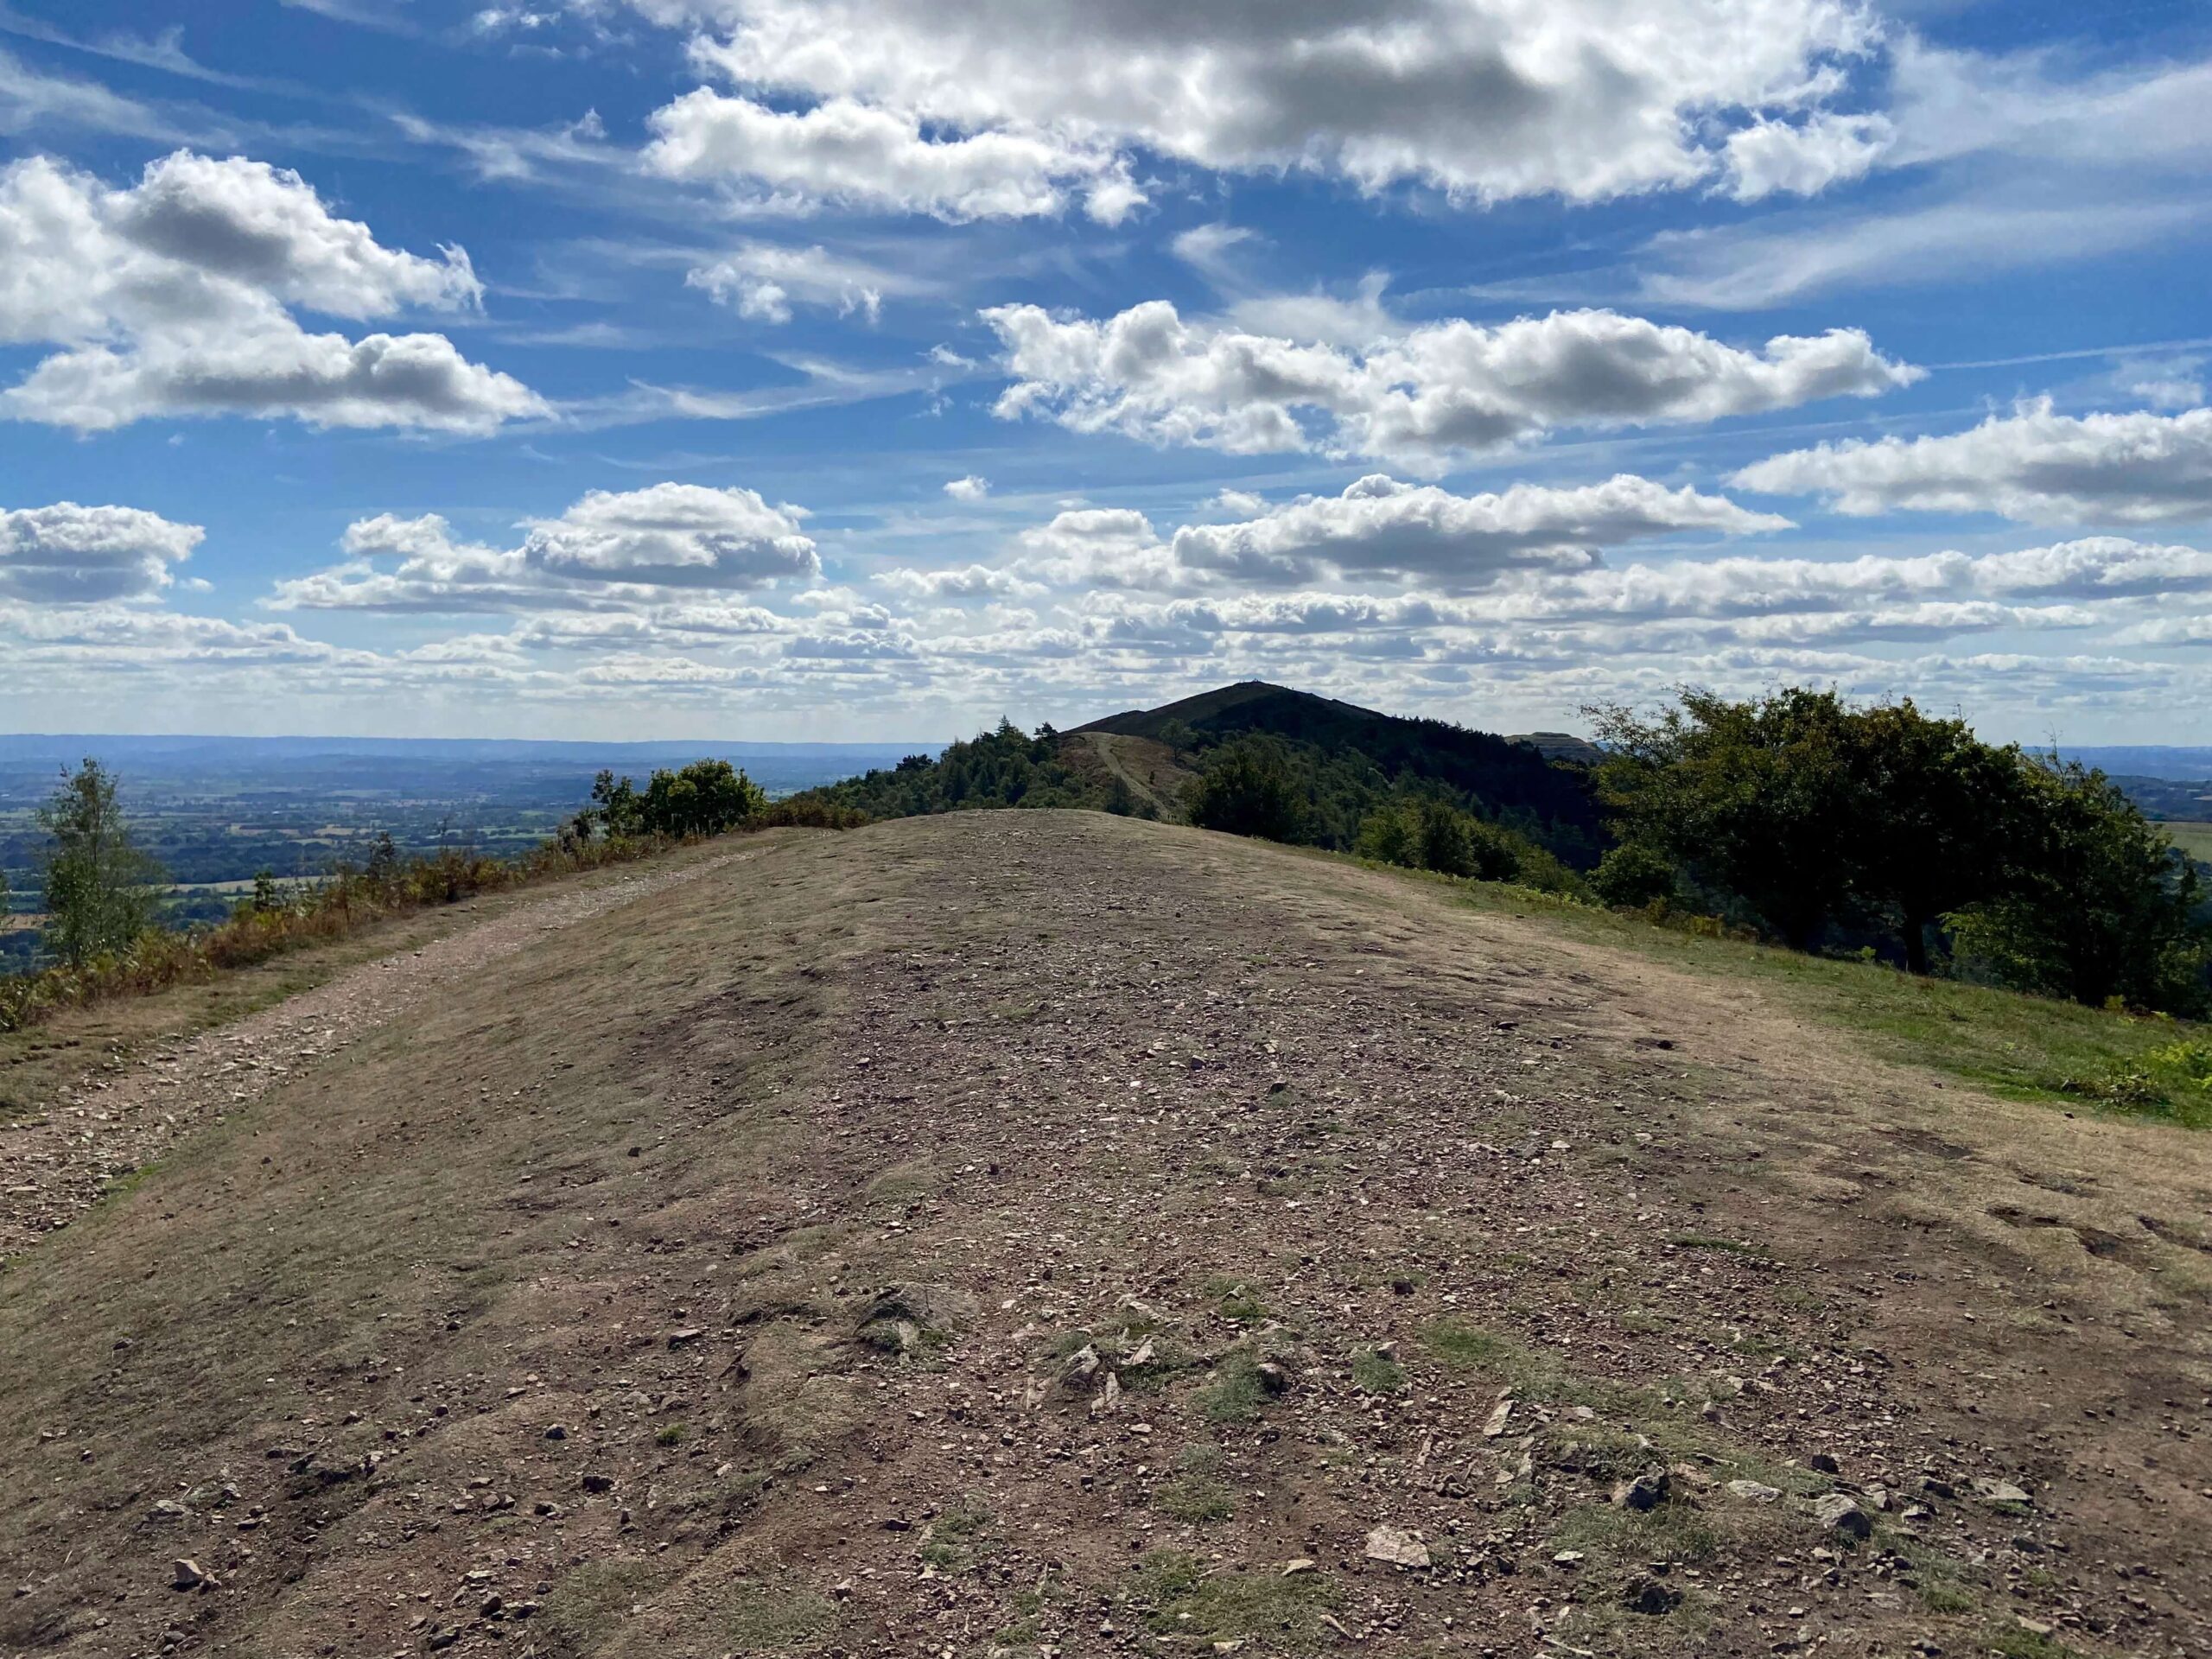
pixel 2173 763
pixel 1513 779
pixel 1348 760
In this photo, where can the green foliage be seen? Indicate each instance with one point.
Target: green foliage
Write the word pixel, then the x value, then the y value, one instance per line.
pixel 1005 767
pixel 1247 789
pixel 1819 818
pixel 102 892
pixel 2094 904
pixel 1427 833
pixel 708 797
pixel 1633 876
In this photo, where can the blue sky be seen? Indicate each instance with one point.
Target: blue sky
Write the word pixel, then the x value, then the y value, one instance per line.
pixel 868 369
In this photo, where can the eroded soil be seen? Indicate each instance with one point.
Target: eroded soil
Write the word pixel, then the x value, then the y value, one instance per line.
pixel 1048 1232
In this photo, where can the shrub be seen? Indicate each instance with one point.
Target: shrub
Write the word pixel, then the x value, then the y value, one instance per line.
pixel 1247 791
pixel 1633 875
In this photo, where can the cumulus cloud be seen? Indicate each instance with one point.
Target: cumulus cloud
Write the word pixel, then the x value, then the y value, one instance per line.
pixel 974 487
pixel 172 297
pixel 1420 398
pixel 1805 157
pixel 763 281
pixel 2034 465
pixel 1379 529
pixel 68 555
pixel 1484 100
pixel 626 550
pixel 857 154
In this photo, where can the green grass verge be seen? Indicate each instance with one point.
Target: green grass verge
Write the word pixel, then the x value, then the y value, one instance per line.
pixel 2021 1047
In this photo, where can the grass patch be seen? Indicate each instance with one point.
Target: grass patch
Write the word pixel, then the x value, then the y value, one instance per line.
pixel 670 1434
pixel 1236 1392
pixel 1183 1600
pixel 2013 1642
pixel 1376 1373
pixel 1236 1301
pixel 775 1617
pixel 588 1603
pixel 2018 1047
pixel 958 1536
pixel 1196 1499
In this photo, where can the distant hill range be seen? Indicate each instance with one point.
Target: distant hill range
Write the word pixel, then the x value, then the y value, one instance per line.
pixel 1508 775
pixel 1349 759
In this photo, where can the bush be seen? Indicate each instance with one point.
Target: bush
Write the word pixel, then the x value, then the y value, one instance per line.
pixel 1247 791
pixel 1633 876
pixel 1428 834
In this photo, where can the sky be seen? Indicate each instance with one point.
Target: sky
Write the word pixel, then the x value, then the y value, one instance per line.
pixel 872 369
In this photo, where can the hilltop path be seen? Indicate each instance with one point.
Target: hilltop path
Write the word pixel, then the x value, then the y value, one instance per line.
pixel 54 1164
pixel 1050 1233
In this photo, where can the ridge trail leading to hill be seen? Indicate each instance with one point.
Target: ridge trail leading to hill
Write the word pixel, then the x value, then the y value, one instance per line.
pixel 56 1164
pixel 1033 1234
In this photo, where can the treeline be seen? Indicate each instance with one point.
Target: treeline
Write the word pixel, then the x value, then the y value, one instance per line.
pixel 105 934
pixel 1007 767
pixel 1827 825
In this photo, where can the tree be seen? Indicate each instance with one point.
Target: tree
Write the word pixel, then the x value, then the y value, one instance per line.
pixel 1755 799
pixel 1247 791
pixel 102 890
pixel 1932 809
pixel 2096 904
pixel 706 798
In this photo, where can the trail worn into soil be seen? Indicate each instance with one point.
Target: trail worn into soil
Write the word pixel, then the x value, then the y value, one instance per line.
pixel 1055 1233
pixel 56 1164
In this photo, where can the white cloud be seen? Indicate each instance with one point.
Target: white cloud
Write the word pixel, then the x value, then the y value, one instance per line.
pixel 630 550
pixel 1484 100
pixel 29 99
pixel 1778 261
pixel 2034 465
pixel 1420 397
pixel 763 281
pixel 963 581
pixel 1804 158
pixel 170 298
pixel 1379 527
pixel 68 555
pixel 853 153
pixel 974 487
pixel 1382 528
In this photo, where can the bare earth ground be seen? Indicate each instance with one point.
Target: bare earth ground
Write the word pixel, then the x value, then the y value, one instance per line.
pixel 1033 1233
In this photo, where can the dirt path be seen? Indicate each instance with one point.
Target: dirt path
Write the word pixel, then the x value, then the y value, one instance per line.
pixel 56 1164
pixel 1050 1234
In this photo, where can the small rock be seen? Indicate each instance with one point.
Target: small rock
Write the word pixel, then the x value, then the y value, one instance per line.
pixel 1843 1515
pixel 1303 1564
pixel 2000 1492
pixel 555 1432
pixel 1644 1492
pixel 1273 1377
pixel 168 1509
pixel 189 1575
pixel 1824 1464
pixel 691 1333
pixel 1081 1365
pixel 1396 1547
pixel 1501 1414
pixel 1753 1492
pixel 1568 1558
pixel 597 1483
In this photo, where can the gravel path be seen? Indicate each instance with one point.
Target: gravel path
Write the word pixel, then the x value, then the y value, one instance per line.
pixel 54 1165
